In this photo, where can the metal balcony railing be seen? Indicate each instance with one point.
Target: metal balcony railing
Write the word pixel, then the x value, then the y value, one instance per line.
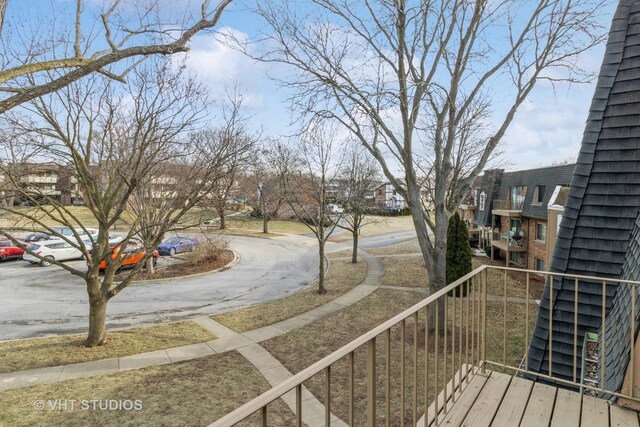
pixel 450 360
pixel 505 205
pixel 510 239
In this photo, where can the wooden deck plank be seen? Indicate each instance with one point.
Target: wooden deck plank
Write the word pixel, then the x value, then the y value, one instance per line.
pixel 461 375
pixel 595 412
pixel 486 405
pixel 622 417
pixel 460 409
pixel 540 406
pixel 566 412
pixel 514 403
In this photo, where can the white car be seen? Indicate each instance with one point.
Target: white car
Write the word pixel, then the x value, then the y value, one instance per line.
pixel 68 232
pixel 51 250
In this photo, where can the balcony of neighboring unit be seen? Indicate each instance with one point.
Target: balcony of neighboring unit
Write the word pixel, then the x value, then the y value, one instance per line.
pixel 475 372
pixel 510 241
pixel 39 179
pixel 504 208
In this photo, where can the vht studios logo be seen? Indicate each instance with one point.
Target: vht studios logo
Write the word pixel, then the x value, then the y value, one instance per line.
pixel 88 405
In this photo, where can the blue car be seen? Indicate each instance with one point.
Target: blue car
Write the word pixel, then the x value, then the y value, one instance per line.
pixel 176 245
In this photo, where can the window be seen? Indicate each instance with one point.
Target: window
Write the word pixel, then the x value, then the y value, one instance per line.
pixel 538 195
pixel 541 231
pixel 539 264
pixel 514 225
pixel 517 195
pixel 483 199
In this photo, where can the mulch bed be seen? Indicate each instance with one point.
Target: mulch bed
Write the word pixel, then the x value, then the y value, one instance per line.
pixel 185 268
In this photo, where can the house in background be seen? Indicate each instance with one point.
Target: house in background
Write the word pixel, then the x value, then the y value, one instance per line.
pixel 521 216
pixel 387 197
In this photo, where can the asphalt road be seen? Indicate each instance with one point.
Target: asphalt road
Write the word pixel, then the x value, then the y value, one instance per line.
pixel 37 301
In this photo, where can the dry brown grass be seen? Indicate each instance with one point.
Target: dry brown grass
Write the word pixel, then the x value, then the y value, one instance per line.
pixel 342 277
pixel 379 225
pixel 404 271
pixel 41 352
pixel 408 247
pixel 190 393
pixel 300 348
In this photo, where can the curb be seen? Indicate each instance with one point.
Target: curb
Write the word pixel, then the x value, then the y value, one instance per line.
pixel 233 262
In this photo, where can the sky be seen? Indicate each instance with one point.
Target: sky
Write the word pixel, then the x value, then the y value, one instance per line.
pixel 548 127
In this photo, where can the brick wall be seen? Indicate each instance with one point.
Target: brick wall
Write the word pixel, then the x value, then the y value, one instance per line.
pixel 537 249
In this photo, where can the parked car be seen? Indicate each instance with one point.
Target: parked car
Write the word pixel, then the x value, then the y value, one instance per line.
pixel 131 255
pixel 176 245
pixel 68 232
pixel 51 250
pixel 38 236
pixel 210 222
pixel 8 250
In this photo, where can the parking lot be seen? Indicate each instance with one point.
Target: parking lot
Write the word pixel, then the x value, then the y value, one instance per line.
pixel 37 301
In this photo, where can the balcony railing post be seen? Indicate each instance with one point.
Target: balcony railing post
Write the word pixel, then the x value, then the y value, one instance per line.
pixel 633 344
pixel 483 348
pixel 371 383
pixel 526 326
pixel 263 416
pixel 551 327
pixel 299 405
pixel 415 368
pixel 504 323
pixel 402 369
pixel 387 381
pixel 426 365
pixel 351 388
pixel 575 330
pixel 327 396
pixel 603 329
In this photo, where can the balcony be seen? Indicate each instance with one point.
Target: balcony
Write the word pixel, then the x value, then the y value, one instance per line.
pixel 39 179
pixel 510 241
pixel 504 208
pixel 470 374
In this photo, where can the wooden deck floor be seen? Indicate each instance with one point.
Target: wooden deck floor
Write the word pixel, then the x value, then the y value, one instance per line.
pixel 496 399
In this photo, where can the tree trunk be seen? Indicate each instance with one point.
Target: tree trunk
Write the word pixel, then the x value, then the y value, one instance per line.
pixel 354 255
pixel 321 288
pixel 223 224
pixel 150 267
pixel 97 322
pixel 265 218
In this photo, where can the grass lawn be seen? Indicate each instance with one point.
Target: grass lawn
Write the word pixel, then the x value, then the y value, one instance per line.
pixel 82 214
pixel 191 393
pixel 40 352
pixel 408 247
pixel 379 225
pixel 300 348
pixel 404 271
pixel 275 226
pixel 342 277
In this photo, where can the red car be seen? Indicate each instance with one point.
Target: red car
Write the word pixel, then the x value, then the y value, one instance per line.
pixel 8 250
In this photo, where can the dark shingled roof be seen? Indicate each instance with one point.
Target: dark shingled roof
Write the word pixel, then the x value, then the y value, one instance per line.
pixel 549 177
pixel 489 183
pixel 618 319
pixel 603 202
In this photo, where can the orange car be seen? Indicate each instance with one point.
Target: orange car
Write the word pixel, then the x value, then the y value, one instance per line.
pixel 130 256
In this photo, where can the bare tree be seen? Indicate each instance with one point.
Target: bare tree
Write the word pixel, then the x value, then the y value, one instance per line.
pixel 112 141
pixel 262 183
pixel 82 38
pixel 305 173
pixel 234 133
pixel 358 179
pixel 402 77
